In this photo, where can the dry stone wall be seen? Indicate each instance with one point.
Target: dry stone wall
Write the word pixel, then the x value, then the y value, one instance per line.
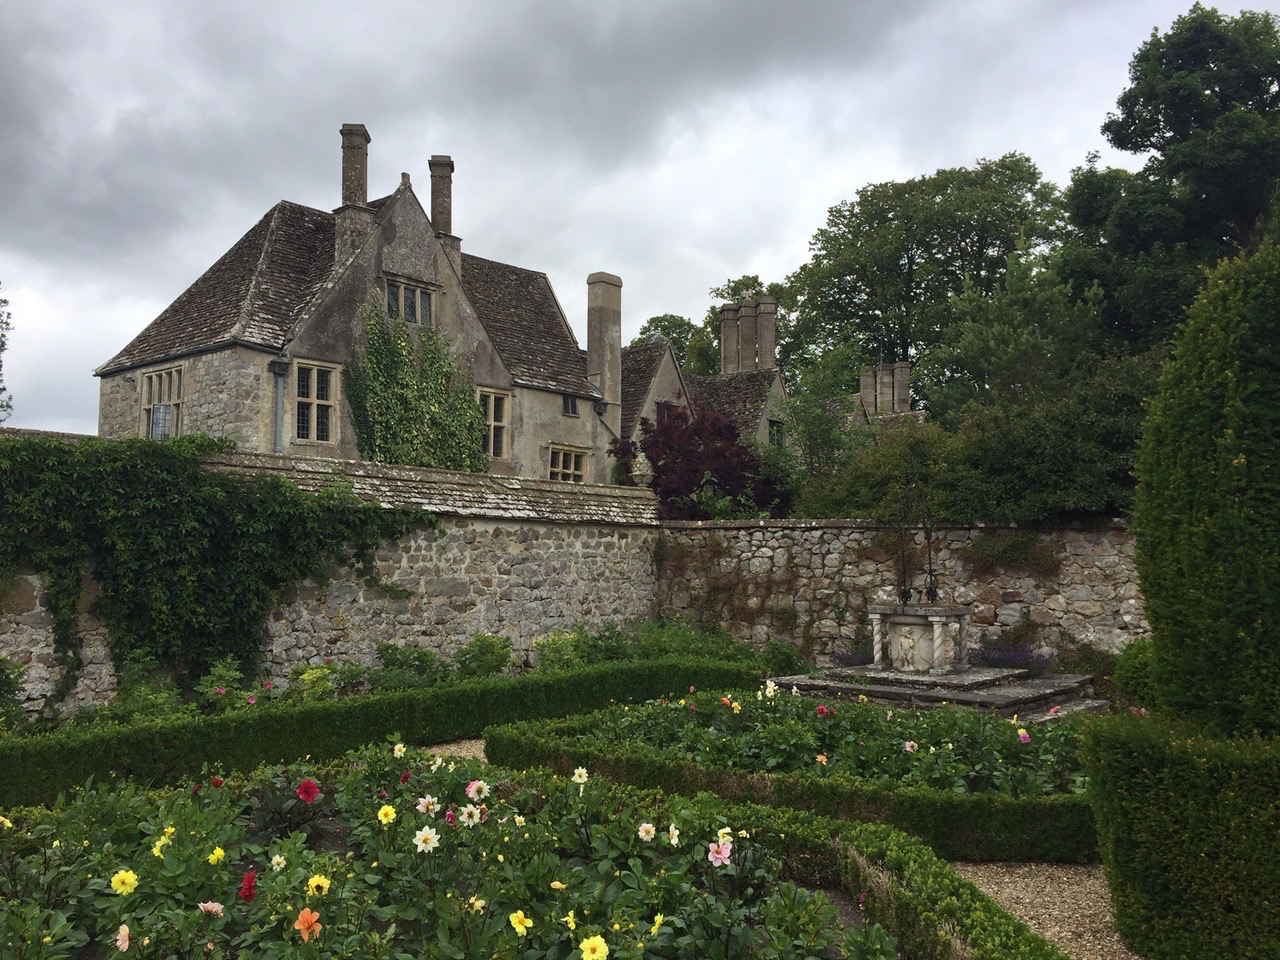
pixel 810 582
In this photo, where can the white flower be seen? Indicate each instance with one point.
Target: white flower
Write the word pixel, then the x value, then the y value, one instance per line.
pixel 743 834
pixel 673 835
pixel 477 789
pixel 277 863
pixel 469 815
pixel 770 689
pixel 426 840
pixel 795 691
pixel 580 775
pixel 519 820
pixel 427 804
pixel 439 762
pixel 398 750
pixel 647 832
pixel 723 834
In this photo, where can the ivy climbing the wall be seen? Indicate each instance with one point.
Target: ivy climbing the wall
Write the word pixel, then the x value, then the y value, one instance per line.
pixel 410 401
pixel 188 560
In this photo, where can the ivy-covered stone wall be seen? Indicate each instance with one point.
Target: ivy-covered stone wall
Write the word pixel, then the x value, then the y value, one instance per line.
pixel 810 581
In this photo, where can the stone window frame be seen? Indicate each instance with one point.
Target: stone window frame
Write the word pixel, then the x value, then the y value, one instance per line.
pixel 421 298
pixel 579 460
pixel 313 403
pixel 497 432
pixel 162 388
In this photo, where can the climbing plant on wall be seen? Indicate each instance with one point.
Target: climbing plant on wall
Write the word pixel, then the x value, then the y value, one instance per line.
pixel 189 560
pixel 410 402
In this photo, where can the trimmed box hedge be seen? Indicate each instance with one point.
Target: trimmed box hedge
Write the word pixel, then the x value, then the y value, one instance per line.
pixel 34 769
pixel 1189 831
pixel 959 826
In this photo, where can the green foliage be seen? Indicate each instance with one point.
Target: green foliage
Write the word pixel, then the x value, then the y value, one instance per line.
pixel 143 693
pixel 1011 551
pixel 6 401
pixel 1016 647
pixel 38 767
pixel 12 712
pixel 1207 517
pixel 410 402
pixel 869 774
pixel 653 640
pixel 1187 827
pixel 1133 672
pixel 189 560
pixel 783 659
pixel 484 655
pixel 407 668
pixel 676 330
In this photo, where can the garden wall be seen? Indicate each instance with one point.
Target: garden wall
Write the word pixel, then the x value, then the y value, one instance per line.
pixel 810 581
pixel 511 556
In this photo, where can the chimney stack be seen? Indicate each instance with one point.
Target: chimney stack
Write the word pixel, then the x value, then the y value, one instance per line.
pixel 884 388
pixel 604 344
pixel 442 193
pixel 353 221
pixel 867 390
pixel 729 358
pixel 767 333
pixel 747 335
pixel 902 386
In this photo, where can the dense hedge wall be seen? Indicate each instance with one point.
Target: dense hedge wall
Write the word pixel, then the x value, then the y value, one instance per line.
pixel 1207 514
pixel 973 827
pixel 1189 830
pixel 34 769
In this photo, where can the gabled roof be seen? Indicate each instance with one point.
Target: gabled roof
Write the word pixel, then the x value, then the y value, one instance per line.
pixel 525 325
pixel 640 364
pixel 252 295
pixel 739 396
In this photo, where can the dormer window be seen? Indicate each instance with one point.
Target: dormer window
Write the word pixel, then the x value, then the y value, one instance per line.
pixel 408 301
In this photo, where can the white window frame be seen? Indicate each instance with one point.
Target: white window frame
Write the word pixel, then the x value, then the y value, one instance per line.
pixel 314 404
pixel 497 432
pixel 162 389
pixel 579 465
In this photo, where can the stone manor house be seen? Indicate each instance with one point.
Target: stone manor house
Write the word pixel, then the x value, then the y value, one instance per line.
pixel 255 349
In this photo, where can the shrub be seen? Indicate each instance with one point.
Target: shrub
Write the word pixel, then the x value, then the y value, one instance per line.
pixel 1207 513
pixel 1018 551
pixel 12 713
pixel 782 659
pixel 1133 672
pixel 406 668
pixel 1015 647
pixel 484 655
pixel 1187 829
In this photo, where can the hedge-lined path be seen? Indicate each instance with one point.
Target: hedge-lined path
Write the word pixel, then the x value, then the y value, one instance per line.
pixel 1067 904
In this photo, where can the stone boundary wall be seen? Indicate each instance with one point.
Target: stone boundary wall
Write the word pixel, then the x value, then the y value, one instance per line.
pixel 511 556
pixel 809 582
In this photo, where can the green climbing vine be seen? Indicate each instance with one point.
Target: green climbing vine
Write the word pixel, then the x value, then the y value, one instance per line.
pixel 410 402
pixel 188 560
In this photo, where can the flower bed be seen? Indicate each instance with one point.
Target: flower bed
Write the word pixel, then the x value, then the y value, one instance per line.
pixel 975 787
pixel 36 768
pixel 395 854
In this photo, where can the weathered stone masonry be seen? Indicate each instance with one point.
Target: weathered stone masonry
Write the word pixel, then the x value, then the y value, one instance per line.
pixel 519 558
pixel 810 581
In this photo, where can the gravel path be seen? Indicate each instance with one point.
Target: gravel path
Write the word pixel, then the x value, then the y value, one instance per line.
pixel 1067 904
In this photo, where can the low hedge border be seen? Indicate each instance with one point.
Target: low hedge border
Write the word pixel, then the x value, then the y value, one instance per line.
pixel 1189 830
pixel 33 770
pixel 934 912
pixel 968 827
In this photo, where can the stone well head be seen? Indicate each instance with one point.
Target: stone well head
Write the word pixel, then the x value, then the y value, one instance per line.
pixel 919 639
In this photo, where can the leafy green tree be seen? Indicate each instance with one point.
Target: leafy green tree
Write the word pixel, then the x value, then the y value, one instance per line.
pixel 410 402
pixel 704 345
pixel 676 329
pixel 886 265
pixel 1207 514
pixel 6 401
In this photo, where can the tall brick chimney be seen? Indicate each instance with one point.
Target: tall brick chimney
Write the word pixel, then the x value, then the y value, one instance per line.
pixel 604 344
pixel 442 193
pixel 729 359
pixel 353 221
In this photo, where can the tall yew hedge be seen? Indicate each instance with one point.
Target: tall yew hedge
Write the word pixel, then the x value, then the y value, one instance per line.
pixel 1207 513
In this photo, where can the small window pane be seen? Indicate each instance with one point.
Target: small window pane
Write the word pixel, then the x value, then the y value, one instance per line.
pixel 304 382
pixel 304 421
pixel 499 409
pixel 499 442
pixel 425 313
pixel 322 384
pixel 393 299
pixel 322 421
pixel 410 306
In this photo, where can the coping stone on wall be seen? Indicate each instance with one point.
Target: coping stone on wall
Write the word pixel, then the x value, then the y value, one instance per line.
pixel 451 493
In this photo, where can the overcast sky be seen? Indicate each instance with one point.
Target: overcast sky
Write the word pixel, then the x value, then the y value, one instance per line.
pixel 676 143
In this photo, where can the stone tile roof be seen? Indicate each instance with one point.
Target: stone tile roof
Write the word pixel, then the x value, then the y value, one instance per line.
pixel 253 294
pixel 640 363
pixel 740 396
pixel 460 494
pixel 526 326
